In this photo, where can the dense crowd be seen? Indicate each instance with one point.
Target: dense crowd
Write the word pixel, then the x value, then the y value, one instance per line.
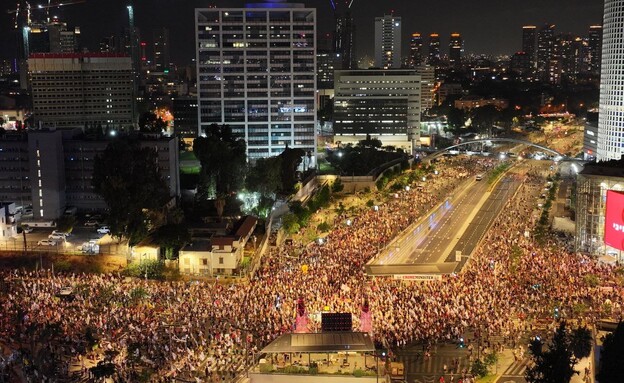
pixel 210 331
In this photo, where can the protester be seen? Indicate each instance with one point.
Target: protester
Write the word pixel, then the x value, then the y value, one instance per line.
pixel 211 331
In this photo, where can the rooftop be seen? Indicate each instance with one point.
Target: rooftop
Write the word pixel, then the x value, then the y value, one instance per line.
pixel 612 168
pixel 324 342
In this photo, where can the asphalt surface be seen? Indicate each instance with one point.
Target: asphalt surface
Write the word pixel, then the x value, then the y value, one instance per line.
pixel 427 247
pixel 479 225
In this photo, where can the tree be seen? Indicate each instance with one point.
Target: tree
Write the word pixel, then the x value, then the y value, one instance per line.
pixel 455 118
pixel 223 163
pixel 556 364
pixel 265 176
pixel 127 177
pixel 581 342
pixel 484 118
pixel 291 158
pixel 172 237
pixel 370 142
pixel 150 123
pixel 611 356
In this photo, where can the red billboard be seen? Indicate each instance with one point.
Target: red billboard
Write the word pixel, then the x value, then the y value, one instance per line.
pixel 614 220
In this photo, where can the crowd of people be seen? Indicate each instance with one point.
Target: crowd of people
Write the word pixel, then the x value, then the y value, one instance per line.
pixel 211 331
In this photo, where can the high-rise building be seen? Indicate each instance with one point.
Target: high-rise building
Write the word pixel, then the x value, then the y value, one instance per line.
pixel 611 117
pixel 388 42
pixel 79 90
pixel 528 44
pixel 594 48
pixel 327 60
pixel 382 103
pixel 545 50
pixel 520 63
pixel 456 48
pixel 433 56
pixel 51 170
pixel 344 34
pixel 256 72
pixel 416 53
pixel 427 86
pixel 162 57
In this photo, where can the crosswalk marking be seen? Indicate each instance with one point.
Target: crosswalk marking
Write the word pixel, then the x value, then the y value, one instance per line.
pixel 435 365
pixel 517 368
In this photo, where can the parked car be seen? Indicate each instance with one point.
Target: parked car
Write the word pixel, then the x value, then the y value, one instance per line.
pixel 56 237
pixel 103 230
pixel 92 223
pixel 63 233
pixel 27 229
pixel 47 242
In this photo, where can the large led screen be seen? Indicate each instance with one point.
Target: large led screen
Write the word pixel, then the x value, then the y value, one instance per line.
pixel 614 220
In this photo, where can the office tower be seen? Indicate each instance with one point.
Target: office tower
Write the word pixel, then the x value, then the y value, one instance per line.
pixel 185 117
pixel 611 118
pixel 456 48
pixel 81 90
pixel 594 48
pixel 545 50
pixel 326 62
pixel 109 44
pixel 51 169
pixel 344 34
pixel 416 46
pixel 388 42
pixel 434 49
pixel 256 73
pixel 382 103
pixel 162 57
pixel 62 39
pixel 520 63
pixel 427 86
pixel 528 44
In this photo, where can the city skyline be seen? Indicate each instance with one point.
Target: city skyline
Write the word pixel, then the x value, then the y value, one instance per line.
pixel 98 19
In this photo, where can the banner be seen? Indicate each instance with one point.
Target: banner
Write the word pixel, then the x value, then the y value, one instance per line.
pixel 614 220
pixel 418 277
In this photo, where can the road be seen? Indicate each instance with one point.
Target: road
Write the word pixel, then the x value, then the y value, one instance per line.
pixel 458 224
pixel 425 242
pixel 479 225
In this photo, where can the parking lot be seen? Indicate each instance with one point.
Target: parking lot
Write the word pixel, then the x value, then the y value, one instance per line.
pixel 81 241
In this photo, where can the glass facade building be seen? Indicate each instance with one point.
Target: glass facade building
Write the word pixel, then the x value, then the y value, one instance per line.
pixel 611 107
pixel 591 197
pixel 256 72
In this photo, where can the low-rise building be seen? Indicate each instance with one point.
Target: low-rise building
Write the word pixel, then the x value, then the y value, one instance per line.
pixel 8 227
pixel 218 254
pixel 472 102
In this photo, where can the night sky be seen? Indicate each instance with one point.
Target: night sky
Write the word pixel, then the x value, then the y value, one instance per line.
pixel 488 26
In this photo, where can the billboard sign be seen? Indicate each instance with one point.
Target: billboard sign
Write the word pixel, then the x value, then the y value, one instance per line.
pixel 614 220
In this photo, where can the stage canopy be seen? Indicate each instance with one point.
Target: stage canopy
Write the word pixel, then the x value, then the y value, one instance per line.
pixel 324 342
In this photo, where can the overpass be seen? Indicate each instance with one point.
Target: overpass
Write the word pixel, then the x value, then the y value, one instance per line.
pixel 514 140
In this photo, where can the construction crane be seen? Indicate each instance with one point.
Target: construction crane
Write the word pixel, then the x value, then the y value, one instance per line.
pixel 23 21
pixel 24 8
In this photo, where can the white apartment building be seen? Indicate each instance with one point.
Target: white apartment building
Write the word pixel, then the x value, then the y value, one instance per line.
pixel 256 72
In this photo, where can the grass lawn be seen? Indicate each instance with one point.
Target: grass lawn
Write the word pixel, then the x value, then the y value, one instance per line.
pixel 187 156
pixel 189 163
